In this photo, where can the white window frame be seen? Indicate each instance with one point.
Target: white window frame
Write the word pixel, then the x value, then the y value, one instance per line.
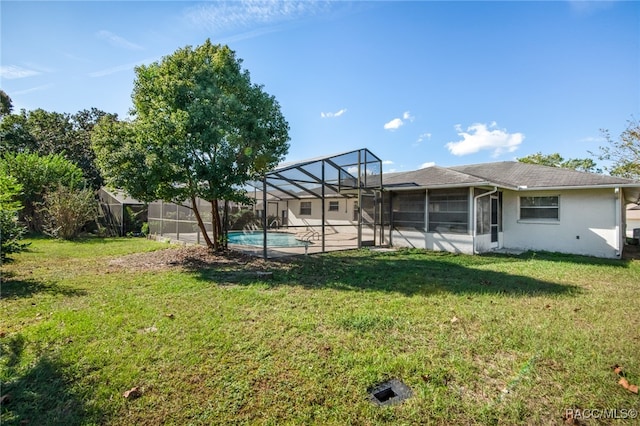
pixel 555 207
pixel 334 206
pixel 304 207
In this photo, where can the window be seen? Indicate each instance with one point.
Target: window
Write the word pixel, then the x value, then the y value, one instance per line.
pixel 449 210
pixel 305 208
pixel 334 206
pixel 539 208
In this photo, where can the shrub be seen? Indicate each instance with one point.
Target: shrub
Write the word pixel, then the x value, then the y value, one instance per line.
pixel 38 175
pixel 11 232
pixel 67 210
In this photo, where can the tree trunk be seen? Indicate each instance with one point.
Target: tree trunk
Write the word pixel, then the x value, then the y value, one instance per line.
pixel 217 225
pixel 203 229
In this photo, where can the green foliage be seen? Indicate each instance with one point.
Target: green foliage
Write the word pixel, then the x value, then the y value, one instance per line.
pixel 556 160
pixel 38 175
pixel 202 129
pixel 6 106
pixel 623 153
pixel 45 132
pixel 11 232
pixel 66 210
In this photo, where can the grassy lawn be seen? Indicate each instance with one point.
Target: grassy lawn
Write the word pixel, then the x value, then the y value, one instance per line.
pixel 479 339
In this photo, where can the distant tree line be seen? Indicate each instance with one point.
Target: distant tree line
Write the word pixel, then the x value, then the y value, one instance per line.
pixel 48 173
pixel 622 155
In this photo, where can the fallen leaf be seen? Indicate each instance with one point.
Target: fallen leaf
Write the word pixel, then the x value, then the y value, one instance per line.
pixel 624 383
pixel 170 316
pixel 454 320
pixel 132 393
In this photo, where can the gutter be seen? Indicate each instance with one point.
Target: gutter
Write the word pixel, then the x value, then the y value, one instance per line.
pixel 475 210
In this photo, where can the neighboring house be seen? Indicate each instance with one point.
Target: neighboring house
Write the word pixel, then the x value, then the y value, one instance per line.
pixel 633 219
pixel 509 205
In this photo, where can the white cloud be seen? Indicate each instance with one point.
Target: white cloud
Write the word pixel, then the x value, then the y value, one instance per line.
pixel 422 138
pixel 32 89
pixel 479 137
pixel 333 114
pixel 222 16
pixel 117 41
pixel 387 162
pixel 119 68
pixel 396 123
pixel 588 7
pixel 407 116
pixel 11 72
pixel 427 164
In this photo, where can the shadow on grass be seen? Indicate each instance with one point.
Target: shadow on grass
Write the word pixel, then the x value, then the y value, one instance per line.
pixel 41 395
pixel 569 258
pixel 17 288
pixel 410 272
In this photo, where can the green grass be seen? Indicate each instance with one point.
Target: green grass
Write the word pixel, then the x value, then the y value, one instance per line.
pixel 479 339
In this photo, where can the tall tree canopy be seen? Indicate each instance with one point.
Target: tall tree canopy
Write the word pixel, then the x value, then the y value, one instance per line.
pixel 43 132
pixel 556 160
pixel 623 153
pixel 201 129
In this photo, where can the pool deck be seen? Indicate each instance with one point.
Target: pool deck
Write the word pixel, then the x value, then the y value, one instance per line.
pixel 333 242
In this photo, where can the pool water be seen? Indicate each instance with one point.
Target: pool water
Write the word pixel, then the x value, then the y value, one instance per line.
pixel 274 239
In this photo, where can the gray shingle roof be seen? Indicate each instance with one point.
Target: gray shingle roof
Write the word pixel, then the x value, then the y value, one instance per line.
pixel 431 177
pixel 516 174
pixel 506 174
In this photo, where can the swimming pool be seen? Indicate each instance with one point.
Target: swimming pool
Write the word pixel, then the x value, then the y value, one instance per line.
pixel 274 239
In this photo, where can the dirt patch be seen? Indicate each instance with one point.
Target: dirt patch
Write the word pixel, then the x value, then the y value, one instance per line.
pixel 631 252
pixel 190 258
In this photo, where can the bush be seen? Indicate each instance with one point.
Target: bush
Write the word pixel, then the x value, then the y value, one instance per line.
pixel 38 175
pixel 67 210
pixel 11 232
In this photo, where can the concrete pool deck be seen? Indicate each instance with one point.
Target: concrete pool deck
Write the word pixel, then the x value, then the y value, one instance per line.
pixel 333 242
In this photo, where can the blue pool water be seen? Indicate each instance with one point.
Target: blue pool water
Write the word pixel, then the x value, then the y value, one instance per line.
pixel 274 239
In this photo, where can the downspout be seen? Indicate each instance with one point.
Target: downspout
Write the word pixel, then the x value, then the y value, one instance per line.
pixel 475 210
pixel 618 222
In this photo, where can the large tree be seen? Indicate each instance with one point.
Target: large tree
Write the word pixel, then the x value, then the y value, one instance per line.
pixel 45 133
pixel 556 160
pixel 623 153
pixel 200 129
pixel 6 105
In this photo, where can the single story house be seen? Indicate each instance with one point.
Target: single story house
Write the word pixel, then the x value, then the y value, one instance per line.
pixel 633 219
pixel 509 205
pixel 476 208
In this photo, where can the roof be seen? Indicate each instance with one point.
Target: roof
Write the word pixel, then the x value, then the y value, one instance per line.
pixel 120 196
pixel 515 174
pixel 332 174
pixel 509 175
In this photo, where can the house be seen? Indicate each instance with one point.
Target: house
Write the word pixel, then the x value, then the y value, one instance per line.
pixel 345 201
pixel 633 219
pixel 511 206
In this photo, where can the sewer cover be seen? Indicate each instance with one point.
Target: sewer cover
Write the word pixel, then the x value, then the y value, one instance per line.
pixel 390 392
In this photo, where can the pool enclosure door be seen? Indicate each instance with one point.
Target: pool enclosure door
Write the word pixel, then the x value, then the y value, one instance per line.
pixel 369 220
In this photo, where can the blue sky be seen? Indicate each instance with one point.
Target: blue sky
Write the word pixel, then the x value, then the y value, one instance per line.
pixel 415 82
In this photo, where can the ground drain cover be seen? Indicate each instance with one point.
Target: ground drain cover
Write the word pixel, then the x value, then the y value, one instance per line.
pixel 390 392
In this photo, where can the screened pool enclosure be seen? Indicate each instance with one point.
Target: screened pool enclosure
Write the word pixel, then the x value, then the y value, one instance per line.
pixel 326 203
